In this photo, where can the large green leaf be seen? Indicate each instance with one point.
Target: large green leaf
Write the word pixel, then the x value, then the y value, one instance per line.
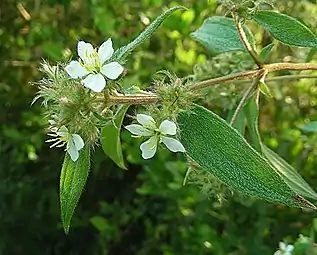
pixel 110 137
pixel 289 174
pixel 124 51
pixel 286 29
pixel 219 35
pixel 221 150
pixel 72 181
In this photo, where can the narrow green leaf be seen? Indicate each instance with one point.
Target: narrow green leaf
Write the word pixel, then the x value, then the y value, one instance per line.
pixel 72 181
pixel 311 54
pixel 251 111
pixel 265 89
pixel 265 52
pixel 124 51
pixel 310 127
pixel 239 124
pixel 221 150
pixel 110 137
pixel 289 174
pixel 100 223
pixel 286 29
pixel 219 35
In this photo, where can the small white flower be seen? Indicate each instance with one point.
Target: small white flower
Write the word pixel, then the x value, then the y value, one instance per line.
pixel 284 249
pixel 74 143
pixel 303 239
pixel 93 65
pixel 148 128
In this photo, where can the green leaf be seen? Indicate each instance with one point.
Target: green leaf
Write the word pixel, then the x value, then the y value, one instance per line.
pixel 124 51
pixel 310 127
pixel 265 89
pixel 110 137
pixel 72 181
pixel 251 111
pixel 265 52
pixel 239 124
pixel 286 29
pixel 221 150
pixel 289 174
pixel 219 35
pixel 99 223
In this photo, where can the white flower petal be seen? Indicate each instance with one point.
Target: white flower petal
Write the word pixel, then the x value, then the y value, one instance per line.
pixel 78 141
pixel 278 253
pixel 72 151
pixel 96 82
pixel 112 70
pixel 85 51
pixel 146 120
pixel 173 144
pixel 139 130
pixel 168 128
pixel 76 70
pixel 289 248
pixel 63 131
pixel 282 246
pixel 105 51
pixel 149 147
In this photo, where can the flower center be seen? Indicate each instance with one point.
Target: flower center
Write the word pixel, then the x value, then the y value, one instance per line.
pixel 92 62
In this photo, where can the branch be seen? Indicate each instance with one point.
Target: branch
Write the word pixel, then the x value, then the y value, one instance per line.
pixel 245 41
pixel 230 77
pixel 245 97
pixel 135 99
pixel 290 66
pixel 251 73
pixel 150 99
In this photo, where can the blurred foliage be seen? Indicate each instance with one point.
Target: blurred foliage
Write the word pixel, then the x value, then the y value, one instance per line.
pixel 144 210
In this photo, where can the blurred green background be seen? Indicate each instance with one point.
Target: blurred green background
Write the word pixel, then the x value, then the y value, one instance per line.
pixel 145 210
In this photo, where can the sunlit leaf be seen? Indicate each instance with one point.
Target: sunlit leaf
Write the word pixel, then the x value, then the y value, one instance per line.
pixel 286 29
pixel 110 137
pixel 221 150
pixel 219 35
pixel 310 127
pixel 72 181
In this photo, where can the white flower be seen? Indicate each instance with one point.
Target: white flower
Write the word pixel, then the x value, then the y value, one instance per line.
pixel 303 239
pixel 148 128
pixel 74 143
pixel 93 65
pixel 285 249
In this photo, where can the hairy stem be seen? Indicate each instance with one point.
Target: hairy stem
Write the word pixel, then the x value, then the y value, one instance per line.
pixel 146 99
pixel 245 97
pixel 245 41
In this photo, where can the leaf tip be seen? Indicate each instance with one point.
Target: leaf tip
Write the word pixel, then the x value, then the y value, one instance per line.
pixel 304 202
